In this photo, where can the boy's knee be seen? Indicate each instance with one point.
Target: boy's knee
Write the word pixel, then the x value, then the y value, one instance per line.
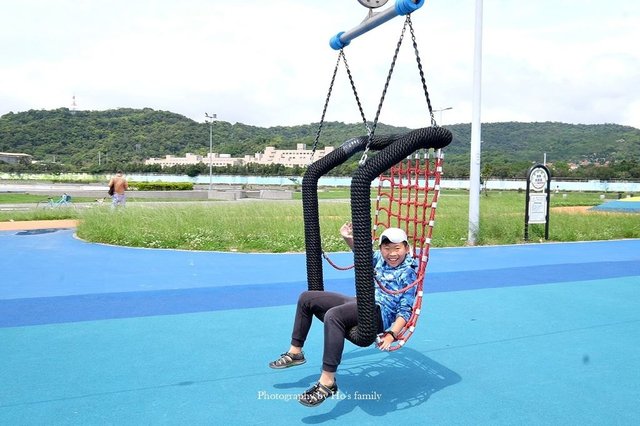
pixel 331 316
pixel 303 296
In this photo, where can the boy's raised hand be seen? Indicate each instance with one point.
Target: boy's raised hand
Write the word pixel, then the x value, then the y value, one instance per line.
pixel 346 230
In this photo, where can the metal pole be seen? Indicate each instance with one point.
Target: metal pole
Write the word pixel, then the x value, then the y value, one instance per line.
pixel 210 151
pixel 211 118
pixel 440 111
pixel 476 140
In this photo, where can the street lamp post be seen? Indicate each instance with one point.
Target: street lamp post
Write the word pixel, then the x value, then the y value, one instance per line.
pixel 210 119
pixel 440 111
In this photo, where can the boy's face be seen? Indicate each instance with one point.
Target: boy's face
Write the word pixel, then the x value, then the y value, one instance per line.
pixel 394 253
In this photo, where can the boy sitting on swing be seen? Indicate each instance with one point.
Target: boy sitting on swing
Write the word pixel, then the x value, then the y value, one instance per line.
pixel 394 269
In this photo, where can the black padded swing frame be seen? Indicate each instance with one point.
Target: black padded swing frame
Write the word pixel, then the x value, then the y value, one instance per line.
pixel 391 150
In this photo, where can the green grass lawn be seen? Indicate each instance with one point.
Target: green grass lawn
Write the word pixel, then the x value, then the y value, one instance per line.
pixel 10 198
pixel 277 226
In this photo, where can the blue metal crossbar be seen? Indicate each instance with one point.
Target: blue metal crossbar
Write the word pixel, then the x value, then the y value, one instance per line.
pixel 401 8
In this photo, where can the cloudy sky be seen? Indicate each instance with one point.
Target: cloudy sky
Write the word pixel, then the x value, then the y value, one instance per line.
pixel 268 62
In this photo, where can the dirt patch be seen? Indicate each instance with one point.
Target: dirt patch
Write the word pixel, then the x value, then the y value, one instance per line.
pixel 573 209
pixel 37 224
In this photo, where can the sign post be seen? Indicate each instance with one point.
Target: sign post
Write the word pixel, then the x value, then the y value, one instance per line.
pixel 538 199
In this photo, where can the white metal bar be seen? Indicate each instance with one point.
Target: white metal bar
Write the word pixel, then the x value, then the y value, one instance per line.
pixel 476 139
pixel 402 7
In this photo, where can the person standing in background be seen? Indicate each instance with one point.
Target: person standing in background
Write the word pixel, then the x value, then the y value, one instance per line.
pixel 117 187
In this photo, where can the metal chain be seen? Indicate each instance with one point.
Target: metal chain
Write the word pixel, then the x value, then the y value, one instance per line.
pixel 326 104
pixel 371 130
pixel 355 93
pixel 363 159
pixel 343 57
pixel 424 83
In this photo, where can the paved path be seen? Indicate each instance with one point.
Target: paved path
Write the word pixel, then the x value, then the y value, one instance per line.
pixel 38 224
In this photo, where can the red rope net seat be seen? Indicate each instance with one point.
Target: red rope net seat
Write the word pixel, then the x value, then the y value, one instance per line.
pixel 407 198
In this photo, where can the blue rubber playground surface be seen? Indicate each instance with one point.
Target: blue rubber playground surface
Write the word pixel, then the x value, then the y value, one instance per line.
pixel 539 334
pixel 625 205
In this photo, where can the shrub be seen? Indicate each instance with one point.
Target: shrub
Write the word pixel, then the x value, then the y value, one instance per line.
pixel 161 186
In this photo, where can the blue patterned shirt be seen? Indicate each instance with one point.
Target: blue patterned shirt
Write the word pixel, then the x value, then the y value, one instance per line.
pixel 393 306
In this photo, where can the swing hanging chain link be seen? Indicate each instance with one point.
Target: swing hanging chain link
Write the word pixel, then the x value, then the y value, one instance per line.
pixel 363 159
pixel 326 105
pixel 371 129
pixel 355 94
pixel 422 79
pixel 343 57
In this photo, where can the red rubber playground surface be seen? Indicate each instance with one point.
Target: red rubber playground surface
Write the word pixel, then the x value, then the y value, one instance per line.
pixel 99 335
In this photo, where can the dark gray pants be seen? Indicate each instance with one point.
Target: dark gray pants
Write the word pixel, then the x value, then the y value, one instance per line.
pixel 338 312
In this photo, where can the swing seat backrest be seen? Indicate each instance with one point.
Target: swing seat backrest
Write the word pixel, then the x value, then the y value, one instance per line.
pixel 407 198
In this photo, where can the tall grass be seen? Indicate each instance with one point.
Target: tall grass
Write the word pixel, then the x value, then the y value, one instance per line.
pixel 251 226
pixel 277 227
pixel 39 214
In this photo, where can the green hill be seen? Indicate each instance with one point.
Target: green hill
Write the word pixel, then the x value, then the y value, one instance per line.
pixel 123 136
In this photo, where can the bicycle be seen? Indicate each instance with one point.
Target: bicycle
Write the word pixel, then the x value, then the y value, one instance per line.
pixel 50 203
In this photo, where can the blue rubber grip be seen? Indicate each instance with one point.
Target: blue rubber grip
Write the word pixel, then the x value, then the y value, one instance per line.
pixel 405 7
pixel 335 42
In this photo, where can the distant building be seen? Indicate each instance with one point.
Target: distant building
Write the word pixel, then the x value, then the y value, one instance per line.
pixel 222 160
pixel 287 157
pixel 217 160
pixel 170 160
pixel 15 158
pixel 301 156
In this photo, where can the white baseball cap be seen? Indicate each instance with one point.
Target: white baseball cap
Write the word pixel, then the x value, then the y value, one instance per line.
pixel 394 235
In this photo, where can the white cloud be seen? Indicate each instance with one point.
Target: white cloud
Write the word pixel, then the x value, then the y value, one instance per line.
pixel 269 63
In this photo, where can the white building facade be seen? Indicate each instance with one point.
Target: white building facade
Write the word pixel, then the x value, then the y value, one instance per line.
pixel 301 157
pixel 15 158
